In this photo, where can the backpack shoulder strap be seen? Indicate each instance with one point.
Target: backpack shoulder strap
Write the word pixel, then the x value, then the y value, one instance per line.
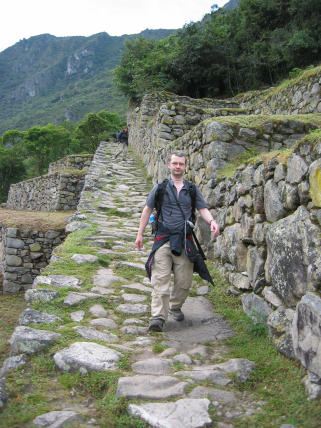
pixel 159 195
pixel 192 192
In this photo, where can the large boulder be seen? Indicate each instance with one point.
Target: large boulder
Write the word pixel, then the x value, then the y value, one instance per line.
pixel 255 307
pixel 31 341
pixel 279 324
pixel 233 250
pixel 315 182
pixel 86 357
pixel 306 333
pixel 294 256
pixel 273 206
pixel 185 413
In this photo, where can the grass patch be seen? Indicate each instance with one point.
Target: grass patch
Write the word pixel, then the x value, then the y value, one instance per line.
pixel 76 243
pixel 229 169
pixel 109 243
pixel 114 212
pixel 276 380
pixel 177 365
pixel 124 363
pixel 11 307
pixel 113 413
pixel 28 388
pixel 34 220
pixel 298 76
pixel 96 384
pixel 128 272
pixel 257 121
pixel 159 347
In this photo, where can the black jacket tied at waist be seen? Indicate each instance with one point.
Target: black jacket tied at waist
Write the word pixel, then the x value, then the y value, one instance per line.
pixel 178 243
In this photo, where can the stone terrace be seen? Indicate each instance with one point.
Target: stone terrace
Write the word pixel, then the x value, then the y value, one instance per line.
pixel 105 321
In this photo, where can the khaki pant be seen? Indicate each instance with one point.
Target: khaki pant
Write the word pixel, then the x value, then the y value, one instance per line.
pixel 123 148
pixel 163 295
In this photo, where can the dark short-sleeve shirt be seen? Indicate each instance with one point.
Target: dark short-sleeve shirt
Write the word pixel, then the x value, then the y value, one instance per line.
pixel 171 214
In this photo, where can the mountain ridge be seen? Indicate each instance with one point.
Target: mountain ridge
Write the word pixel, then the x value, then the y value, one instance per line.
pixel 39 72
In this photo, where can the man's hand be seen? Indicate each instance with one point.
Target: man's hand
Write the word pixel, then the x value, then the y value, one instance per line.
pixel 207 216
pixel 215 228
pixel 142 224
pixel 139 241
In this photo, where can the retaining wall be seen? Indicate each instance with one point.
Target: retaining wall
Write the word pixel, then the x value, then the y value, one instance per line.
pixel 23 254
pixel 269 211
pixel 52 192
pixel 71 162
pixel 301 95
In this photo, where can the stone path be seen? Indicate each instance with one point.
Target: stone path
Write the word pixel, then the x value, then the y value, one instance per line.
pixel 175 376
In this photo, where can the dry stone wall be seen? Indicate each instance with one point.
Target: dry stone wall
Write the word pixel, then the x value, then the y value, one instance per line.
pixel 269 211
pixel 59 190
pixel 78 162
pixel 303 96
pixel 270 246
pixel 210 141
pixel 162 118
pixel 52 192
pixel 23 254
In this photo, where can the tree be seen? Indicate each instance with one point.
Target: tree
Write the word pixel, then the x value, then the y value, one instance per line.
pixel 12 169
pixel 12 138
pixel 229 51
pixel 94 127
pixel 44 145
pixel 144 67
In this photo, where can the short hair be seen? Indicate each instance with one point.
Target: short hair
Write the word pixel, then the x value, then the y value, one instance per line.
pixel 179 154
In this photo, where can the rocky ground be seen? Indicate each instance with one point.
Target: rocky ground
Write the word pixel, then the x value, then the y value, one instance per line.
pixel 183 377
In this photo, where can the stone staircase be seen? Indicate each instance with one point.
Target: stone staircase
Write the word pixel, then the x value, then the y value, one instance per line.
pixel 172 379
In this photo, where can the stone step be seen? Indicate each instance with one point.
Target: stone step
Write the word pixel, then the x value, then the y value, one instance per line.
pixel 112 318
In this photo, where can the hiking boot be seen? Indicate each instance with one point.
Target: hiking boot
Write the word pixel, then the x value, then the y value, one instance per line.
pixel 156 324
pixel 177 314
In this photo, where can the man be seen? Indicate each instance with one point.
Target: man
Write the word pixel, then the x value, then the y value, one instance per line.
pixel 123 143
pixel 171 246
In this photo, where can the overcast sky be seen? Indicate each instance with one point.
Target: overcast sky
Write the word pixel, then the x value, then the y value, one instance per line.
pixel 25 18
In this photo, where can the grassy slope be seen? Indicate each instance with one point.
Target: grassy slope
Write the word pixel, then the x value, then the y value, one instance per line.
pixel 39 387
pixel 33 390
pixel 276 380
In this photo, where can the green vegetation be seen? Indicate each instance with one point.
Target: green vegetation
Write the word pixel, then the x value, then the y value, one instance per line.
pixel 229 51
pixel 27 154
pixel 48 79
pixel 11 307
pixel 229 169
pixel 37 220
pixel 159 347
pixel 276 380
pixel 38 386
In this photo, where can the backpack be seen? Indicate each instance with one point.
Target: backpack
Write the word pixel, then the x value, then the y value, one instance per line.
pixel 159 195
pixel 118 135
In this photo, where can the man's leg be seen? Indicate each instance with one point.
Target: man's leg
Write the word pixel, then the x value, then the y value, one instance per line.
pixel 161 275
pixel 119 150
pixel 183 278
pixel 125 151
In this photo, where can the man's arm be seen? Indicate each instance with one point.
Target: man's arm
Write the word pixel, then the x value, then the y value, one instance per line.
pixel 142 224
pixel 207 216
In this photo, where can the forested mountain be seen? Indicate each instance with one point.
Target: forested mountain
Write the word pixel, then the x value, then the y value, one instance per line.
pixel 233 49
pixel 231 4
pixel 50 79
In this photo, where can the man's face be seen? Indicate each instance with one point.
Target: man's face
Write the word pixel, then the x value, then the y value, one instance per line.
pixel 177 166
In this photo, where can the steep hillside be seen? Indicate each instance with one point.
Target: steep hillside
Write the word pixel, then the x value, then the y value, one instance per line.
pixel 50 79
pixel 232 4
